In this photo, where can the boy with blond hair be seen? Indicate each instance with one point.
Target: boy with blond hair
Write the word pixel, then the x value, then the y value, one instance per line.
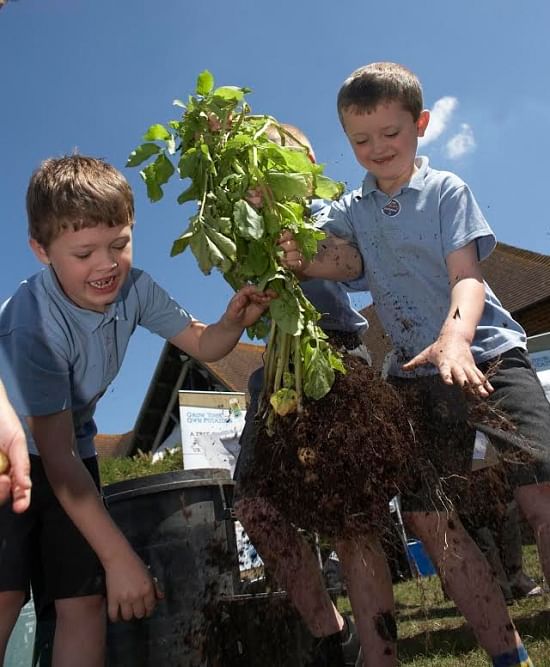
pixel 63 336
pixel 414 237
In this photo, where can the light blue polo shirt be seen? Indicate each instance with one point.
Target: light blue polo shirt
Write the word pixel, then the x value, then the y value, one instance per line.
pixel 404 241
pixel 56 356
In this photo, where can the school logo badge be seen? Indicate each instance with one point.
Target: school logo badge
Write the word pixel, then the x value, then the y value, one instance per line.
pixel 392 208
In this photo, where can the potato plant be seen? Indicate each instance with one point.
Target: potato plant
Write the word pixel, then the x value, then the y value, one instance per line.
pixel 248 189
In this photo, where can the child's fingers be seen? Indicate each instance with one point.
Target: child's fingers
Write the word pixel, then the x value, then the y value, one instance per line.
pixel 21 498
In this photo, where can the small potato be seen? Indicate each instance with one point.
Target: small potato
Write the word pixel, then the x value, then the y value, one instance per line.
pixel 307 456
pixel 4 463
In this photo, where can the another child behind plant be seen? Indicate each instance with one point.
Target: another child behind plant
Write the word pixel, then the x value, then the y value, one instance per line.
pixel 63 336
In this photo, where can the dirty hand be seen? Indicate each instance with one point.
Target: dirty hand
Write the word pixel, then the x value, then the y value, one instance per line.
pixel 131 590
pixel 292 257
pixel 14 458
pixel 452 355
pixel 247 306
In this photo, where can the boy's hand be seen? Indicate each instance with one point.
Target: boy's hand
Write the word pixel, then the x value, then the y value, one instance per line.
pixel 292 257
pixel 15 478
pixel 452 355
pixel 247 306
pixel 131 590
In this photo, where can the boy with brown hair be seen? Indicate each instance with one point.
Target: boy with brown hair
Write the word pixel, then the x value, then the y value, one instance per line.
pixel 414 237
pixel 63 336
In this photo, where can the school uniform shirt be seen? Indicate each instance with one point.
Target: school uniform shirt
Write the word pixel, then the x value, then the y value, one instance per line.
pixel 404 241
pixel 56 356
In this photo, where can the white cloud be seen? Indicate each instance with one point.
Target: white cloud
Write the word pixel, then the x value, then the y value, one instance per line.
pixel 462 143
pixel 440 116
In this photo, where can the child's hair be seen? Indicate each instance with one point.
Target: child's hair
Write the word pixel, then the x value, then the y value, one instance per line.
pixel 372 84
pixel 290 136
pixel 74 192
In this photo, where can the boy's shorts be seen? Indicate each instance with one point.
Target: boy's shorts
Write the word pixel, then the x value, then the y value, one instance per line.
pixel 518 394
pixel 42 546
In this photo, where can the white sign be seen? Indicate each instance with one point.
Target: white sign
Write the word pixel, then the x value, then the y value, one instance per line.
pixel 211 423
pixel 539 351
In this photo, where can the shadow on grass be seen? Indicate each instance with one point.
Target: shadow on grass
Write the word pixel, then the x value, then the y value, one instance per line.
pixel 462 640
pixel 432 613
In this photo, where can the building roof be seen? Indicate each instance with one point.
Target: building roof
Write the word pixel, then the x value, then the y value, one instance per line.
pixel 112 445
pixel 234 370
pixel 520 278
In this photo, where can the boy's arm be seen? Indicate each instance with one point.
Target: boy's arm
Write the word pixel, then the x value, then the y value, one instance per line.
pixel 130 588
pixel 336 259
pixel 212 342
pixel 15 481
pixel 451 352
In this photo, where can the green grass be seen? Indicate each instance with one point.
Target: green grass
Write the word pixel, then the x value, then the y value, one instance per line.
pixel 118 469
pixel 432 633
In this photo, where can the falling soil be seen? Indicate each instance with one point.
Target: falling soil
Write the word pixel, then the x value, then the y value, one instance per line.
pixel 335 467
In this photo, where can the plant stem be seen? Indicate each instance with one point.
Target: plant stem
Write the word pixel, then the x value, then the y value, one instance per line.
pixel 298 371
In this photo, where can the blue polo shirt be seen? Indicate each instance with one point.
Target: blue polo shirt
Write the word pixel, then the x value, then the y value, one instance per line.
pixel 56 356
pixel 404 241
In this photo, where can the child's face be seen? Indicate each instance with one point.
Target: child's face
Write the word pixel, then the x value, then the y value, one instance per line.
pixel 385 140
pixel 91 264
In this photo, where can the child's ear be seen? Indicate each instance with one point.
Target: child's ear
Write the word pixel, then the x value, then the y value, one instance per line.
pixel 39 250
pixel 422 122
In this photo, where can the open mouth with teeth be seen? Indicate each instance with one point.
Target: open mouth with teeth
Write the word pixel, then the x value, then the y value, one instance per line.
pixel 103 284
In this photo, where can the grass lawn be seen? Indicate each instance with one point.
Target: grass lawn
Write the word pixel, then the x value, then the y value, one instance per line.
pixel 432 633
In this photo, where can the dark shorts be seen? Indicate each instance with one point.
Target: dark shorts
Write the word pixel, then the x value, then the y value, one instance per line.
pixel 43 546
pixel 519 395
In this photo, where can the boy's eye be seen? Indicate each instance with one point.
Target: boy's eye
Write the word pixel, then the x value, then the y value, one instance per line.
pixel 391 134
pixel 120 246
pixel 83 256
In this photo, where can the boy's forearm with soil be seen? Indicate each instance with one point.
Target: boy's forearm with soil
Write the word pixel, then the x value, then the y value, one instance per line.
pixel 336 259
pixel 130 588
pixel 451 351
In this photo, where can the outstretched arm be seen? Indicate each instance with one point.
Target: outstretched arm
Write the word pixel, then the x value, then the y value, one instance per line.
pixel 212 342
pixel 335 260
pixel 14 479
pixel 451 352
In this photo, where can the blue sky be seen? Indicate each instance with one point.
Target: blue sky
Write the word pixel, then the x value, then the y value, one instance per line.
pixel 94 75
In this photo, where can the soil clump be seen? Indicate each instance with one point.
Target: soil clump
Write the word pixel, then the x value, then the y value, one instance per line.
pixel 334 468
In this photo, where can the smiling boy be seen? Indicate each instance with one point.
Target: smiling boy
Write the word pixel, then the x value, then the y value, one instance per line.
pixel 414 237
pixel 63 336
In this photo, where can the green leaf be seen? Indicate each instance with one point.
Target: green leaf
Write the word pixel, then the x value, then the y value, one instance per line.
pixel 205 83
pixel 142 153
pixel 326 188
pixel 256 260
pixel 249 222
pixel 188 195
pixel 181 243
pixel 230 93
pixel 286 311
pixel 290 186
pixel 164 169
pixel 187 166
pixel 157 133
pixel 157 174
pixel 318 373
pixel 224 244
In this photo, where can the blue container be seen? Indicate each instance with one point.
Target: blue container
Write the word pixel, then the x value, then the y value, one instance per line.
pixel 419 559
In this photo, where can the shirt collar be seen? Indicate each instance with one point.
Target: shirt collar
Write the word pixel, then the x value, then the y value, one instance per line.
pixel 89 318
pixel 417 181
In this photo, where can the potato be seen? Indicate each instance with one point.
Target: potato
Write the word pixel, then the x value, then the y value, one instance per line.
pixel 4 463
